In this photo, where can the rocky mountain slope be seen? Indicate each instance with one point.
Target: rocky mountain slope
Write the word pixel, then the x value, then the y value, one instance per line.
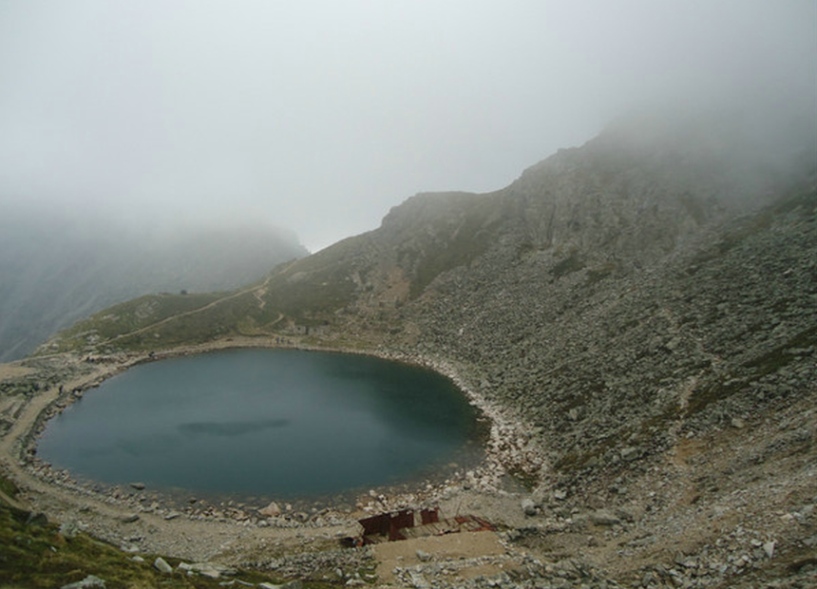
pixel 645 305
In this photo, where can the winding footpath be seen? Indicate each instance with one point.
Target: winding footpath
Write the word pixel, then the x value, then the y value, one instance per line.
pixel 11 444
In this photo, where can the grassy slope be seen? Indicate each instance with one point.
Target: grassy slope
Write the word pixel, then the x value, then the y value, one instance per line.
pixel 34 554
pixel 128 317
pixel 306 292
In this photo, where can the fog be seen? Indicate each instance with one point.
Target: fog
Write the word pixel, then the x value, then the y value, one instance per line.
pixel 319 116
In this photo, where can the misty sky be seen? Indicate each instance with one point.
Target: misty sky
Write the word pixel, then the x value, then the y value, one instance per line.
pixel 319 116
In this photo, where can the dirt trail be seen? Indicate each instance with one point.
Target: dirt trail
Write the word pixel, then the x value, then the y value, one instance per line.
pixel 10 444
pixel 13 370
pixel 257 291
pixel 452 547
pixel 28 415
pixel 13 502
pixel 186 313
pixel 259 296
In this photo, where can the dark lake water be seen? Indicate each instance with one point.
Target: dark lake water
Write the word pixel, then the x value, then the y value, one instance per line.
pixel 271 423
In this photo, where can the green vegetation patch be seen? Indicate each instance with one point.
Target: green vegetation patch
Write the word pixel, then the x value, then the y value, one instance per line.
pixel 317 285
pixel 763 365
pixel 573 263
pixel 778 357
pixel 34 554
pixel 599 273
pixel 469 239
pixel 7 487
pixel 302 295
pixel 131 316
pixel 527 480
pixel 806 201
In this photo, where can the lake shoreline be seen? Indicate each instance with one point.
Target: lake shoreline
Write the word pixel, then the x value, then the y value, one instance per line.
pixel 202 425
pixel 506 445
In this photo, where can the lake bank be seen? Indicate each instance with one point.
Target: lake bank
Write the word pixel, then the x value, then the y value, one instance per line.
pixel 105 513
pixel 268 423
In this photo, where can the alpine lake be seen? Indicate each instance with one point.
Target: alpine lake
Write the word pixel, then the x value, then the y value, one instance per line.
pixel 264 424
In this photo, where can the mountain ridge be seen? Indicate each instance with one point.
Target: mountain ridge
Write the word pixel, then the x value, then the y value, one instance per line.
pixel 645 314
pixel 588 207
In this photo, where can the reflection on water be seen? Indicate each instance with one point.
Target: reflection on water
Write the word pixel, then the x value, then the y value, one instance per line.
pixel 233 428
pixel 267 422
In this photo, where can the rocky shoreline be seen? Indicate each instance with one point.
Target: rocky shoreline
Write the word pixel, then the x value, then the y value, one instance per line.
pixel 502 446
pixel 508 446
pixel 627 510
pixel 140 520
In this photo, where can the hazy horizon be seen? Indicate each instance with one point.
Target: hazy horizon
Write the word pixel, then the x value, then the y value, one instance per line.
pixel 318 117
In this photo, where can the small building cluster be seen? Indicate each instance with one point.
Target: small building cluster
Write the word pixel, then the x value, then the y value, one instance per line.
pixel 401 525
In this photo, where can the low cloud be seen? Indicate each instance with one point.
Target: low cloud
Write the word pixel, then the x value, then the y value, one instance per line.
pixel 320 116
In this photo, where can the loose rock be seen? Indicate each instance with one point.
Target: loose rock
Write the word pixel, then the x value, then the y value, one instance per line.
pixel 271 510
pixel 89 582
pixel 769 547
